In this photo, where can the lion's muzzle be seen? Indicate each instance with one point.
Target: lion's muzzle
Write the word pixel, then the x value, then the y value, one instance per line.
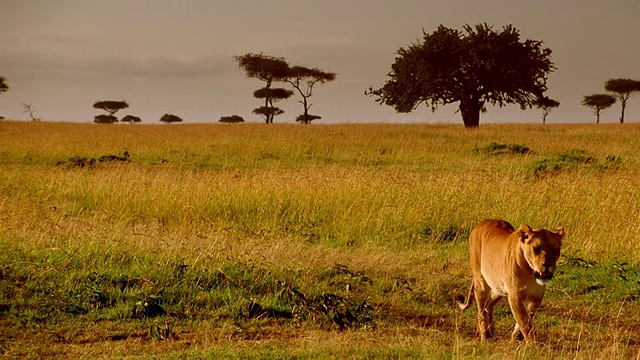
pixel 545 276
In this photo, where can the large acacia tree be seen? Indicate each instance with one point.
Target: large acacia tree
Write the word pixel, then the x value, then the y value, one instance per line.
pixel 623 89
pixel 471 67
pixel 268 69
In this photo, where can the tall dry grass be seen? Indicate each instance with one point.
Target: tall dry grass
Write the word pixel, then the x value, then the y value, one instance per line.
pixel 395 202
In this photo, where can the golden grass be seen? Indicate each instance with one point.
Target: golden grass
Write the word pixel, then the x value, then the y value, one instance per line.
pixel 387 200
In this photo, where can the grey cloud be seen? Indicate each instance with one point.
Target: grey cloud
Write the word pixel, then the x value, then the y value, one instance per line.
pixel 57 67
pixel 57 38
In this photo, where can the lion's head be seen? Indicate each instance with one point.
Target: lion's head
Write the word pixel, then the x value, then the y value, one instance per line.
pixel 541 249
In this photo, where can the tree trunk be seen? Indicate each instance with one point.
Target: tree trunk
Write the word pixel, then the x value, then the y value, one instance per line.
pixel 268 117
pixel 598 116
pixel 306 110
pixel 622 113
pixel 470 111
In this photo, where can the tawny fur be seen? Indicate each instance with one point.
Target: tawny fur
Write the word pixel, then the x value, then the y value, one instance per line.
pixel 516 264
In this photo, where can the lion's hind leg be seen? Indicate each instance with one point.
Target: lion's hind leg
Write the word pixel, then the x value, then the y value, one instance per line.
pixel 485 302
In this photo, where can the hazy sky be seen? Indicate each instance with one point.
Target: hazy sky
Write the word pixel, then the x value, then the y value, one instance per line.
pixel 171 56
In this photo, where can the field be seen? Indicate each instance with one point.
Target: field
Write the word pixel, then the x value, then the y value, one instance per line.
pixel 291 241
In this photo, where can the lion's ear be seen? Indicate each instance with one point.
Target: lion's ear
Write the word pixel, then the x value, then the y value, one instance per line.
pixel 560 232
pixel 524 231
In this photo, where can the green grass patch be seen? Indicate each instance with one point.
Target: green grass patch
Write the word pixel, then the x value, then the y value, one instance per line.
pixel 572 160
pixel 495 148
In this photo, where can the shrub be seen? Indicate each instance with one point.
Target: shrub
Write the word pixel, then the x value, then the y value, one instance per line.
pixel 570 160
pixel 501 149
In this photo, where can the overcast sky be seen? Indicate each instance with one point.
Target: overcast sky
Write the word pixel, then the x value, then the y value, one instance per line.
pixel 171 56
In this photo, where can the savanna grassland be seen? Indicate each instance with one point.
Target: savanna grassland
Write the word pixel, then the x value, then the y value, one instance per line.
pixel 290 241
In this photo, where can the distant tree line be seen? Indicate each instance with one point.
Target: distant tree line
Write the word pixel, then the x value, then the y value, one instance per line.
pixel 113 106
pixel 472 67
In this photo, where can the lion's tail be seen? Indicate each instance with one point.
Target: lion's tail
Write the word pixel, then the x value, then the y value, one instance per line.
pixel 464 305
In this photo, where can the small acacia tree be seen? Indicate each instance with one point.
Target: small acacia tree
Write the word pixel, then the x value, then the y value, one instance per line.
pixel 268 69
pixel 131 119
pixel 307 118
pixel 546 104
pixel 105 119
pixel 111 106
pixel 274 95
pixel 232 119
pixel 170 118
pixel 623 90
pixel 598 102
pixel 4 87
pixel 303 79
pixel 472 67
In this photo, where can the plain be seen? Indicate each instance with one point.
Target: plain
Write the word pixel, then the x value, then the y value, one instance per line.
pixel 291 241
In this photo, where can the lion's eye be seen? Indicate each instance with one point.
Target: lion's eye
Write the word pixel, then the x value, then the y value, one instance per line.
pixel 536 250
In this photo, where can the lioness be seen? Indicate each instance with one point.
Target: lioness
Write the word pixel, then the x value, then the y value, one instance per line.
pixel 516 264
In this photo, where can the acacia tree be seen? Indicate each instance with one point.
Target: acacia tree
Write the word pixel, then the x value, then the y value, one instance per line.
pixel 105 119
pixel 307 119
pixel 546 104
pixel 132 119
pixel 598 102
pixel 232 119
pixel 111 107
pixel 274 95
pixel 303 80
pixel 472 67
pixel 170 118
pixel 623 89
pixel 3 84
pixel 268 69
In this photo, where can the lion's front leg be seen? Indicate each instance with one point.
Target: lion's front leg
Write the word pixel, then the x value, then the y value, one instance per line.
pixel 524 319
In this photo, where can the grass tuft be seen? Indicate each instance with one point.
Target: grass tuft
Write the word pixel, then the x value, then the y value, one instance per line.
pixel 572 160
pixel 494 148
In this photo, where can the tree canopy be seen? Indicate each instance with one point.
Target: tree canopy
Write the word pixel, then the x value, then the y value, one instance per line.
pixel 170 118
pixel 267 69
pixel 307 118
pixel 105 119
pixel 131 119
pixel 233 119
pixel 472 67
pixel 598 102
pixel 623 90
pixel 3 85
pixel 111 106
